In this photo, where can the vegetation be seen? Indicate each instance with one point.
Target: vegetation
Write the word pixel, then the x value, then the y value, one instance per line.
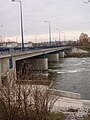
pixel 56 116
pixel 25 102
pixel 87 118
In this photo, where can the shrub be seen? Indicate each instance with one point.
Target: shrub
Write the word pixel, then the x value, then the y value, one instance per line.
pixel 56 116
pixel 25 102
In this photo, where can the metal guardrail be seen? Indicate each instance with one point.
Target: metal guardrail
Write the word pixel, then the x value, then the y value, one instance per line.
pixel 18 49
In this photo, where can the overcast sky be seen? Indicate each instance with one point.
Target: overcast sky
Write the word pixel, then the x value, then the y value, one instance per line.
pixel 71 16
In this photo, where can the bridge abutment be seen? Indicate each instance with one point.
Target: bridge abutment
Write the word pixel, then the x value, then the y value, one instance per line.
pixel 68 52
pixel 0 74
pixel 4 70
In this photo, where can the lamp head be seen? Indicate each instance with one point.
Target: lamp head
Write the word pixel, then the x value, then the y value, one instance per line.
pixel 86 1
pixel 1 25
pixel 57 29
pixel 47 21
pixel 16 0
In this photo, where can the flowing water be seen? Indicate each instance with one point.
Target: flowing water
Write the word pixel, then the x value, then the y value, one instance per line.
pixel 71 74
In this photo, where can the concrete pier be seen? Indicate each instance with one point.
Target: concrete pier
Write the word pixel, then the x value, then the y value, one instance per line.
pixel 66 94
pixel 61 54
pixel 53 57
pixel 39 62
pixel 4 68
pixel 7 67
pixel 0 73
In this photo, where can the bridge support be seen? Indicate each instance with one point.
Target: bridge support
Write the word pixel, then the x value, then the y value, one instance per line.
pixel 61 54
pixel 53 57
pixel 0 73
pixel 40 62
pixel 6 69
pixel 68 52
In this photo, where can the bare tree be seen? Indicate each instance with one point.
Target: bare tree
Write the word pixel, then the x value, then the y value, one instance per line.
pixel 25 102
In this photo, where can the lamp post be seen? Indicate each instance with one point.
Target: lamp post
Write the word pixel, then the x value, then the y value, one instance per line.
pixel 59 34
pixel 49 31
pixel 1 25
pixel 1 37
pixel 21 21
pixel 86 1
pixel 64 37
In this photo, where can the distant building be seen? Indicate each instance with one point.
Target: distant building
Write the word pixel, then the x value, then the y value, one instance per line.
pixel 8 44
pixel 11 44
pixel 28 44
pixel 14 44
pixel 2 44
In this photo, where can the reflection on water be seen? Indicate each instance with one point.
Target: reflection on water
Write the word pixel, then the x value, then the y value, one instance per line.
pixel 72 74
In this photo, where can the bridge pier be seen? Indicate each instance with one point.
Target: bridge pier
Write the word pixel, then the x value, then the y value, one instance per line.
pixel 39 62
pixel 53 57
pixel 4 69
pixel 0 73
pixel 7 67
pixel 61 54
pixel 13 67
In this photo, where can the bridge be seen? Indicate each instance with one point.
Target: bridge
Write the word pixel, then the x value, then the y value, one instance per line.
pixel 12 61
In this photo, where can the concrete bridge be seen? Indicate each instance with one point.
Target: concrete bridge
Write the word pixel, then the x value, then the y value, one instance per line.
pixel 35 59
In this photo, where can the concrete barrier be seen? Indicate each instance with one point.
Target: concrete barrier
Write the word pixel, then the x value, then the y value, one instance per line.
pixel 65 94
pixel 35 82
pixel 86 104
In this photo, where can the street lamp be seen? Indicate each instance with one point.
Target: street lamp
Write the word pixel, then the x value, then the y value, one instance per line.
pixel 1 37
pixel 49 31
pixel 64 37
pixel 1 25
pixel 86 1
pixel 21 21
pixel 59 33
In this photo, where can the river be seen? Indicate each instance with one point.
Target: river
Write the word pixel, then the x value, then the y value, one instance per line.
pixel 71 74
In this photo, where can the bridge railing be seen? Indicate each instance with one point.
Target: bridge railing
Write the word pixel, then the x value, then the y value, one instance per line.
pixel 18 49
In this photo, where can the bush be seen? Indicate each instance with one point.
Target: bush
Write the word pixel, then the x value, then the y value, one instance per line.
pixel 25 102
pixel 87 118
pixel 56 116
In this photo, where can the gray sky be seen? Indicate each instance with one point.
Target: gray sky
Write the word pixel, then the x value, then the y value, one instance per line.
pixel 71 16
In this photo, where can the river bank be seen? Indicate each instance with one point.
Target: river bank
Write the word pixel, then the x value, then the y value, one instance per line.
pixel 65 100
pixel 78 52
